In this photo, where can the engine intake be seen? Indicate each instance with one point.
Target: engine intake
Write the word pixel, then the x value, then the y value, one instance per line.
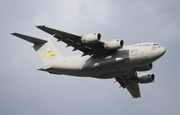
pixel 114 44
pixel 91 38
pixel 147 78
pixel 144 67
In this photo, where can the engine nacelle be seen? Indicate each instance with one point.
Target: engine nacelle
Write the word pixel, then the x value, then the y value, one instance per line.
pixel 145 67
pixel 114 44
pixel 147 78
pixel 91 38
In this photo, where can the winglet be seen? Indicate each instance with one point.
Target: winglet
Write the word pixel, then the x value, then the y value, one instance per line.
pixel 37 22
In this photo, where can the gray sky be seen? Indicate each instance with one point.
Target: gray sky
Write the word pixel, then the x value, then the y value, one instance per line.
pixel 25 90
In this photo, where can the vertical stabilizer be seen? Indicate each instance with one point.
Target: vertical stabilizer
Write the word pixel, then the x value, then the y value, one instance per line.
pixel 47 51
pixel 44 48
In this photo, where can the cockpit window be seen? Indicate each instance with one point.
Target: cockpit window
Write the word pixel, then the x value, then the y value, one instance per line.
pixel 155 44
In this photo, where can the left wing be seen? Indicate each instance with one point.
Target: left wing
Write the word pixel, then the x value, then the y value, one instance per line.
pixel 129 81
pixel 74 41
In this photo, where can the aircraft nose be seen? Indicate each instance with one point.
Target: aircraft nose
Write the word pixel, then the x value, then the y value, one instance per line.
pixel 163 50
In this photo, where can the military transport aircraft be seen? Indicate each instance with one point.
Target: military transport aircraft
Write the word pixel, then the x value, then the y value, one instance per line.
pixel 100 59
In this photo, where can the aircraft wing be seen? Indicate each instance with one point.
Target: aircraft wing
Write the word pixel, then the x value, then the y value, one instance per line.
pixel 74 41
pixel 129 81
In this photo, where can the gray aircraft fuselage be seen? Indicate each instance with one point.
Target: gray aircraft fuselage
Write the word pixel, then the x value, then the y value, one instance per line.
pixel 106 65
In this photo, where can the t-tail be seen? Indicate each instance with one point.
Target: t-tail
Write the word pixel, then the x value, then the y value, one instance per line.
pixel 46 50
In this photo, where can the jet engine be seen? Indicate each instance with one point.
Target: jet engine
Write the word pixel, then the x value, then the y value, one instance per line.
pixel 91 38
pixel 146 78
pixel 114 44
pixel 145 67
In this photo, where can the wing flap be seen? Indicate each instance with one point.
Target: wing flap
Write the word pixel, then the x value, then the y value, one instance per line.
pixel 77 45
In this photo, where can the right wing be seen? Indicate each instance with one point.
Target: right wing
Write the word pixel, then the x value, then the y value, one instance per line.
pixel 129 81
pixel 74 41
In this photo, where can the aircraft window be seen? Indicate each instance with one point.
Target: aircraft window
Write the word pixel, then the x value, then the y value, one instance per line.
pixel 147 45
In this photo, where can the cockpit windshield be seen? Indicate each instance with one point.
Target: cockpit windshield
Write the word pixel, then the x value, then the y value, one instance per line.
pixel 155 44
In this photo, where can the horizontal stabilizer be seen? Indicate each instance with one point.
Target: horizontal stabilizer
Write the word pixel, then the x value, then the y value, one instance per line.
pixel 29 38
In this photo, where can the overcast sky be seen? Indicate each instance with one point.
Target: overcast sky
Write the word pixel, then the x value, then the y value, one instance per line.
pixel 27 91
